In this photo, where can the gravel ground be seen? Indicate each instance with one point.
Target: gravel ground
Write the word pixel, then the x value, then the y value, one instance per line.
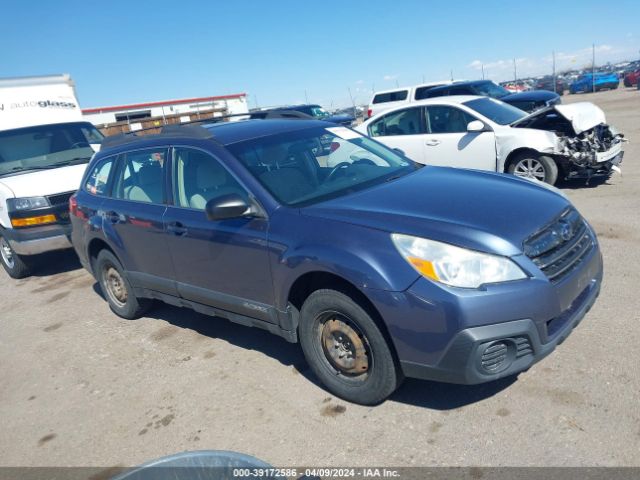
pixel 82 387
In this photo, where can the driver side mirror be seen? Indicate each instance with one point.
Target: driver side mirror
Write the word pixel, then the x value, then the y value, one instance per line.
pixel 227 206
pixel 476 126
pixel 399 151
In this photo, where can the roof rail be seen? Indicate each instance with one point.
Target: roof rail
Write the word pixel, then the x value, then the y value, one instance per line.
pixel 193 130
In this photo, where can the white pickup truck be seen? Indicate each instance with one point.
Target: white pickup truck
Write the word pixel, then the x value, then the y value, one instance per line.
pixel 44 148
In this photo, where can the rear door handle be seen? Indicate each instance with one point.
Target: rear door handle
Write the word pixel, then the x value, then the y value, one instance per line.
pixel 176 228
pixel 432 143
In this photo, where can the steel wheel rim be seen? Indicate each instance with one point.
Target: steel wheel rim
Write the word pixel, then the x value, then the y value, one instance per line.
pixel 530 168
pixel 7 253
pixel 345 348
pixel 114 285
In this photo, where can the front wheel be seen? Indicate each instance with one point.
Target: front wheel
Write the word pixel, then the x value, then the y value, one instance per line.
pixel 15 265
pixel 535 166
pixel 345 348
pixel 117 289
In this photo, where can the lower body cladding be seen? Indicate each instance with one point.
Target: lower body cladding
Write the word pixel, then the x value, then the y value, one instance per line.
pixel 476 336
pixel 36 240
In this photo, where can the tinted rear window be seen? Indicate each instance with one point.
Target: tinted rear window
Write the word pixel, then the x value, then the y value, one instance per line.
pixel 391 96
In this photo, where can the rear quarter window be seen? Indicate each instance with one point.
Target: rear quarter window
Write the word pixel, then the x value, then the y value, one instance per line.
pixel 97 182
pixel 396 96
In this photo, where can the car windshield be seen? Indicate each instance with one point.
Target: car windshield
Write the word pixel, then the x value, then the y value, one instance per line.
pixel 307 166
pixel 496 111
pixel 46 146
pixel 490 89
pixel 319 112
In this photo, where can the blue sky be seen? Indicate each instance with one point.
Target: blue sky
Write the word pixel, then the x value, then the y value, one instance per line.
pixel 135 51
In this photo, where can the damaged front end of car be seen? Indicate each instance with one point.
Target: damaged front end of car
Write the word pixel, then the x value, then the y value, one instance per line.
pixel 586 146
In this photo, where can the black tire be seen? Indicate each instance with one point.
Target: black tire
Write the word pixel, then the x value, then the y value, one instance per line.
pixel 15 265
pixel 321 312
pixel 116 288
pixel 533 162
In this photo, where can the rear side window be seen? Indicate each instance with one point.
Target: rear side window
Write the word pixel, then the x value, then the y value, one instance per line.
pixel 140 176
pixel 445 119
pixel 402 122
pixel 97 181
pixel 396 96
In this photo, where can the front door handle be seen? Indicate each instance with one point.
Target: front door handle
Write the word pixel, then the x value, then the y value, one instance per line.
pixel 176 228
pixel 433 142
pixel 112 217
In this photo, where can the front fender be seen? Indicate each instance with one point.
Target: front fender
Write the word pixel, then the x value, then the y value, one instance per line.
pixel 364 257
pixel 515 138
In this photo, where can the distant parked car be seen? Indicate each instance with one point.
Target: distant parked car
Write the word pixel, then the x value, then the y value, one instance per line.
pixel 380 268
pixel 386 99
pixel 546 83
pixel 317 112
pixel 528 101
pixel 560 141
pixel 599 81
pixel 631 78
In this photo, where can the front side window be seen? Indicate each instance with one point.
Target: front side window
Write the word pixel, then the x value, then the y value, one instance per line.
pixel 198 177
pixel 306 166
pixel 140 176
pixel 98 179
pixel 447 119
pixel 401 122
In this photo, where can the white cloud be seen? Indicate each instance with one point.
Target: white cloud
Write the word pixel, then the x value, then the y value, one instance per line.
pixel 390 77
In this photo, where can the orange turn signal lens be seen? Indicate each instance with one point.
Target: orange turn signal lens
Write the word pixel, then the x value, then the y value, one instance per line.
pixel 425 267
pixel 31 221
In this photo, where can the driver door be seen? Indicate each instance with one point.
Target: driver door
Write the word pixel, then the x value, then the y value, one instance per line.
pixel 448 144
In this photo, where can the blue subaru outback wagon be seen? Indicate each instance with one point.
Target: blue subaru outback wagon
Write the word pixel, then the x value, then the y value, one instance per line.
pixel 381 268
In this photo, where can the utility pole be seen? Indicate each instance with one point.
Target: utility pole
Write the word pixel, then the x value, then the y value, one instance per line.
pixel 353 104
pixel 515 72
pixel 452 75
pixel 397 84
pixel 483 71
pixel 593 68
pixel 553 55
pixel 306 97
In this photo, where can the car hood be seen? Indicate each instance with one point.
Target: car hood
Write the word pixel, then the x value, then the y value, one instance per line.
pixel 39 183
pixel 583 116
pixel 530 96
pixel 484 211
pixel 342 119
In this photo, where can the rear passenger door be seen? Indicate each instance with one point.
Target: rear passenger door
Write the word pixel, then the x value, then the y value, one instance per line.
pixel 221 263
pixel 133 219
pixel 403 129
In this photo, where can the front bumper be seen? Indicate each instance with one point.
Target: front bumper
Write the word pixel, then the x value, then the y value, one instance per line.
pixel 36 240
pixel 442 334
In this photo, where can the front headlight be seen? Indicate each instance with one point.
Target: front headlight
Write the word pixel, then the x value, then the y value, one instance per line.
pixel 26 203
pixel 455 266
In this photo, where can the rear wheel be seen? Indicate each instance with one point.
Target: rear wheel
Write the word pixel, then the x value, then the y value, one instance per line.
pixel 536 166
pixel 15 265
pixel 345 348
pixel 117 289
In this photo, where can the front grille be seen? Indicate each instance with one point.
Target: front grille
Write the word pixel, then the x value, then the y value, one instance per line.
pixel 59 198
pixel 561 246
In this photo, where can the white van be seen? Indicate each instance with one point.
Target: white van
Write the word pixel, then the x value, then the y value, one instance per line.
pixel 386 99
pixel 44 148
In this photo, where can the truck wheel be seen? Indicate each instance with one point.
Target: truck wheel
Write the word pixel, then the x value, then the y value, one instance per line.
pixel 532 165
pixel 346 350
pixel 117 289
pixel 14 264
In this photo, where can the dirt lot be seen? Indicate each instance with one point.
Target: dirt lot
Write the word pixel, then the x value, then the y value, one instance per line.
pixel 79 386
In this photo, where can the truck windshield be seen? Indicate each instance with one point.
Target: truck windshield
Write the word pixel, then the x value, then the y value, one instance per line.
pixel 311 165
pixel 47 146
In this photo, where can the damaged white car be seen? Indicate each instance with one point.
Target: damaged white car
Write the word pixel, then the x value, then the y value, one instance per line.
pixel 560 141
